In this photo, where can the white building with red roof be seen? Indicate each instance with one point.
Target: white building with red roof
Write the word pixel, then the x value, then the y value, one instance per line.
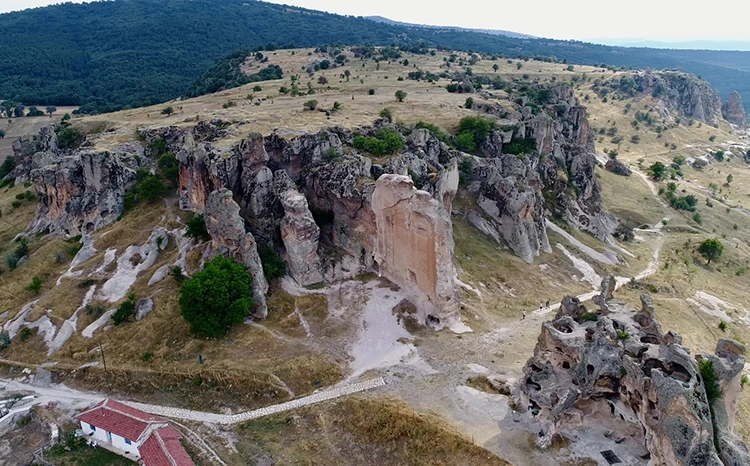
pixel 134 434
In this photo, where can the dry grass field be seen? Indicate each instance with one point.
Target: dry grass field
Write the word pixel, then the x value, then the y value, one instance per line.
pixel 26 126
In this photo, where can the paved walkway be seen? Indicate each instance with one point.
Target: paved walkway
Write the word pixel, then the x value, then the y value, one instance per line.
pixel 200 416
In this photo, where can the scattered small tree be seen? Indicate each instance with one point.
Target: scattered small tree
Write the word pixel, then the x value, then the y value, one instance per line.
pixel 657 170
pixel 311 104
pixel 711 249
pixel 177 274
pixel 495 67
pixel 400 95
pixel 273 265
pixel 217 298
pixel 386 113
pixel 469 102
pixel 167 111
pixel 50 110
pixel 2 134
pixel 730 178
pixel 371 92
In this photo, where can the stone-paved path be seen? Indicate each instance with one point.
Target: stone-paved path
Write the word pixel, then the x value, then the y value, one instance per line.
pixel 199 416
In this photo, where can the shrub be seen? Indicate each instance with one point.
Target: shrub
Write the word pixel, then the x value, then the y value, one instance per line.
pixel 169 167
pixel 371 92
pixel 710 382
pixel 722 326
pixel 400 95
pixel 68 137
pixel 589 317
pixel 196 228
pixel 16 204
pixel 711 249
pixel 719 155
pixel 469 102
pixel 177 274
pixel 4 340
pixel 273 265
pixel 151 188
pixel 311 105
pixel 25 334
pixel 167 111
pixel 35 286
pixel 476 128
pixel 217 298
pixel 744 380
pixel 125 312
pixel 386 141
pixel 434 129
pixel 8 165
pixel 635 139
pixel 386 113
pixel 147 356
pixel 622 335
pixel 678 160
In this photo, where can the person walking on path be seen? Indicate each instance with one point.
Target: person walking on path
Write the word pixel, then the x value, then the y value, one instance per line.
pixel 523 315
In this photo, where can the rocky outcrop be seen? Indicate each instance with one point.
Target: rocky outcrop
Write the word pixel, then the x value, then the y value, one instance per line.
pixel 617 167
pixel 552 173
pixel 733 110
pixel 42 146
pixel 299 233
pixel 80 193
pixel 611 366
pixel 690 96
pixel 414 247
pixel 228 237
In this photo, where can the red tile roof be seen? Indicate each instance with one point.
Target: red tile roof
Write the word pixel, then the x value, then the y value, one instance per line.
pixel 119 419
pixel 163 448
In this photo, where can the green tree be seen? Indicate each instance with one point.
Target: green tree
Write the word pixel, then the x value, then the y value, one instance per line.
pixel 273 265
pixel 217 298
pixel 386 113
pixel 169 167
pixel 478 128
pixel 167 111
pixel 196 228
pixel 34 112
pixel 50 110
pixel 400 95
pixel 469 102
pixel 2 134
pixel 68 137
pixel 657 170
pixel 730 178
pixel 311 104
pixel 495 67
pixel 151 188
pixel 711 249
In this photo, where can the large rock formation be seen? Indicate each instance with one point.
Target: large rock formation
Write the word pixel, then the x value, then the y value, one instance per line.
pixel 299 233
pixel 613 366
pixel 690 96
pixel 80 193
pixel 553 173
pixel 414 247
pixel 228 237
pixel 734 110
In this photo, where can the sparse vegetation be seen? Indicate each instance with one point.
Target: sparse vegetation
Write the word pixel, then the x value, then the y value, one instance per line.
pixel 126 311
pixel 386 141
pixel 273 265
pixel 196 228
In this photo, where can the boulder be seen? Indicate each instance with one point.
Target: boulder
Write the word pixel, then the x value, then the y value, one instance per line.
pixel 229 237
pixel 734 110
pixel 414 248
pixel 143 307
pixel 299 233
pixel 617 167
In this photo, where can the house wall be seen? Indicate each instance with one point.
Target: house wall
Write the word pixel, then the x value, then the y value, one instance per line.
pixel 100 435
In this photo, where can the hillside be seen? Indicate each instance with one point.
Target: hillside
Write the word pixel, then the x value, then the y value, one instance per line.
pixel 264 148
pixel 105 56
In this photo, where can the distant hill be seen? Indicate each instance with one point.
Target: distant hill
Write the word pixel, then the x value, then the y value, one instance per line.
pixel 718 45
pixel 496 32
pixel 108 55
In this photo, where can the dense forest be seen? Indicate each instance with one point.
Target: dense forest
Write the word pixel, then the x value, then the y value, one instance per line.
pixel 110 55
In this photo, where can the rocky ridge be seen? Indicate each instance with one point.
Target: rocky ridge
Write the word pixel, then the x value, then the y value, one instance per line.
pixel 691 97
pixel 733 110
pixel 310 197
pixel 612 365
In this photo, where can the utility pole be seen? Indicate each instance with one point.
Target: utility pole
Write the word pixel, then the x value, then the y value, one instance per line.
pixel 101 350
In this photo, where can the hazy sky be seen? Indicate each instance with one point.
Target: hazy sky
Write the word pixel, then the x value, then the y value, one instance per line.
pixel 668 20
